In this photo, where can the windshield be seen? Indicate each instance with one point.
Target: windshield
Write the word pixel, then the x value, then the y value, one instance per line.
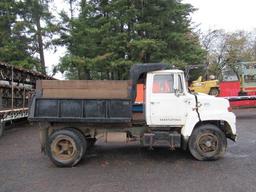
pixel 229 75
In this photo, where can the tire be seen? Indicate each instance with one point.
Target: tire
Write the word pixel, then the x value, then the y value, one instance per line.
pixel 81 136
pixel 66 147
pixel 214 91
pixel 207 142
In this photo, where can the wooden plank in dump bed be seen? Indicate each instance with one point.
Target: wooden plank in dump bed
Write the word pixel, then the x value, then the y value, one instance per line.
pixel 86 89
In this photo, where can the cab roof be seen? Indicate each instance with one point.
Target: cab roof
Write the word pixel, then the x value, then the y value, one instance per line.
pixel 138 71
pixel 168 71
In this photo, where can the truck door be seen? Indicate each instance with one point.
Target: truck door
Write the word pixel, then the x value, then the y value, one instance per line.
pixel 163 106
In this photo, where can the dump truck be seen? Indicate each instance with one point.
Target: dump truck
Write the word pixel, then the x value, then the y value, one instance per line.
pixel 73 114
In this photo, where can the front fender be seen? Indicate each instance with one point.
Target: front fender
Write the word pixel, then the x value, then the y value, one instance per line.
pixel 193 119
pixel 228 117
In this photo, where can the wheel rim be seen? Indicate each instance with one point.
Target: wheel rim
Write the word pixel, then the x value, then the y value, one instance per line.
pixel 207 144
pixel 214 92
pixel 63 148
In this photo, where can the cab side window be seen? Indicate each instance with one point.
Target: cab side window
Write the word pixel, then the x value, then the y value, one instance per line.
pixel 163 84
pixel 180 85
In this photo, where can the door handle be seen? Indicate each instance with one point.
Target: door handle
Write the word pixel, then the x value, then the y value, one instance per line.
pixel 188 101
pixel 154 102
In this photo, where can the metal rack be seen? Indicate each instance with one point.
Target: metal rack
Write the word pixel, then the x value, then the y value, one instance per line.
pixel 16 87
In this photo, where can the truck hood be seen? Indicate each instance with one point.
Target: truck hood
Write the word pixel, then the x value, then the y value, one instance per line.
pixel 207 102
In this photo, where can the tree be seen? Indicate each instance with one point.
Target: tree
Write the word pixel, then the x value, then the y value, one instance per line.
pixel 39 26
pixel 26 29
pixel 226 48
pixel 109 36
pixel 223 47
pixel 13 41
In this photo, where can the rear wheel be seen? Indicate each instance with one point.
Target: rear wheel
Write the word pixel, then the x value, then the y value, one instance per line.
pixel 207 142
pixel 66 147
pixel 214 91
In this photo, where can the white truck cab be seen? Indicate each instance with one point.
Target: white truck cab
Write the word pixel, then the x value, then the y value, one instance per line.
pixel 204 121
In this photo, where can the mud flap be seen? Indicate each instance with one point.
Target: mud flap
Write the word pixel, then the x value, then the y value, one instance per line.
pixel 2 125
pixel 43 135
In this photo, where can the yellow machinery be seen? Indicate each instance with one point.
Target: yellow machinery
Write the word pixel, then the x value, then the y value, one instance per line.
pixel 205 83
pixel 210 87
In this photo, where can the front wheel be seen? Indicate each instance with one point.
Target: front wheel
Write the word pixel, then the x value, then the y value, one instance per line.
pixel 207 142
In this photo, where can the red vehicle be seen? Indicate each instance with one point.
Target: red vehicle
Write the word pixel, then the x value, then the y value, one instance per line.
pixel 240 83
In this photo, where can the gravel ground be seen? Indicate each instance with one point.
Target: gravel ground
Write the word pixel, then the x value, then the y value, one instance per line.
pixel 121 168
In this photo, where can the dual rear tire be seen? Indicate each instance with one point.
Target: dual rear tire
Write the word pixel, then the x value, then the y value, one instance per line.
pixel 66 147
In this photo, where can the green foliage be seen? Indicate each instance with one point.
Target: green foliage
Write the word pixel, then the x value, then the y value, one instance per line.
pixel 26 29
pixel 13 43
pixel 214 70
pixel 110 36
pixel 106 38
pixel 39 26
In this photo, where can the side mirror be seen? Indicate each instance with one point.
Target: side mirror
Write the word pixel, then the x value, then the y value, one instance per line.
pixel 176 86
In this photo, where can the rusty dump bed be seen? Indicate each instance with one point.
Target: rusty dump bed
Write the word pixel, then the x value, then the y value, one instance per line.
pixel 86 101
pixel 84 89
